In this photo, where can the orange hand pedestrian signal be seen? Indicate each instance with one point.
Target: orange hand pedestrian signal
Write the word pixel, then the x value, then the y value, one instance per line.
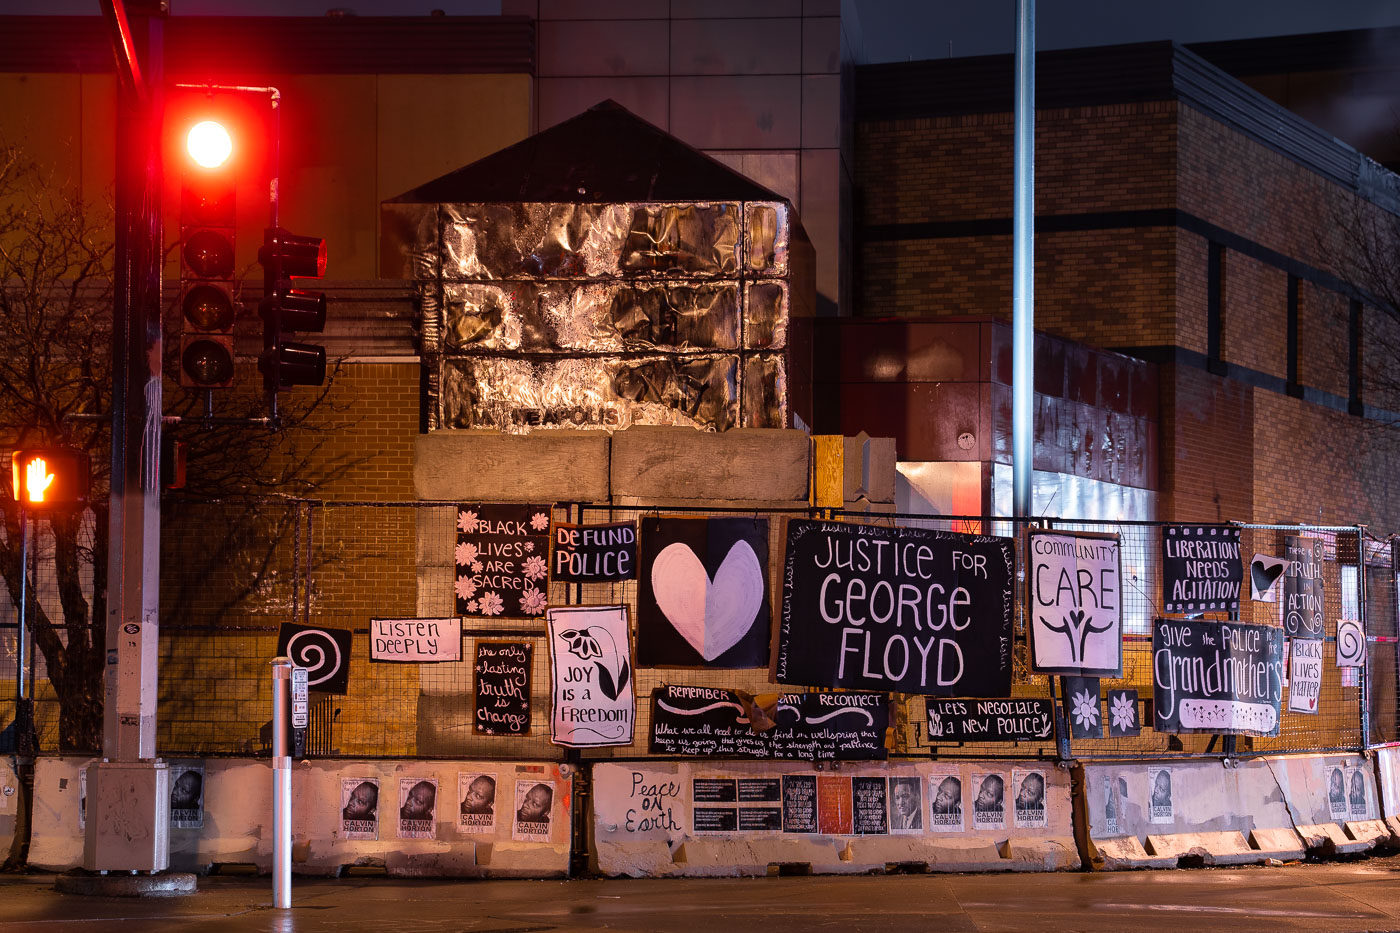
pixel 50 478
pixel 38 480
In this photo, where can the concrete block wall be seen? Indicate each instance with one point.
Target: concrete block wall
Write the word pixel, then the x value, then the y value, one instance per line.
pixel 238 820
pixel 643 824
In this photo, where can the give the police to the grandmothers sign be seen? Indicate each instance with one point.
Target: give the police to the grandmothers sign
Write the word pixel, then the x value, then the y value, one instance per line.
pixel 910 610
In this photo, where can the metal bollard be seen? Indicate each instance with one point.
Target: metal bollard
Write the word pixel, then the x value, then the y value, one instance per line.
pixel 281 783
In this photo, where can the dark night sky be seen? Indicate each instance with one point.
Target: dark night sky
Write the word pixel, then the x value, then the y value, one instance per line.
pixel 895 30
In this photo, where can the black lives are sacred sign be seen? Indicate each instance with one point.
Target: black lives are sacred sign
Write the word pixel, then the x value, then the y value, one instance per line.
pixel 910 610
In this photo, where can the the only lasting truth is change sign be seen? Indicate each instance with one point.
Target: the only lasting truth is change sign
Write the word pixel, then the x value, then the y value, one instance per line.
pixel 895 609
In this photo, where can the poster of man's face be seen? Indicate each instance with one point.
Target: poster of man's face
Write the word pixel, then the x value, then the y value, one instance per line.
pixel 906 804
pixel 534 808
pixel 1336 786
pixel 989 801
pixel 1356 790
pixel 1030 798
pixel 478 802
pixel 187 799
pixel 945 802
pixel 417 808
pixel 1160 797
pixel 359 808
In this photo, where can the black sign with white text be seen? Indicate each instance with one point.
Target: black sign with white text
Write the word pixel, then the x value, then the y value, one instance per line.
pixel 908 610
pixel 593 553
pixel 1201 568
pixel 502 688
pixel 703 721
pixel 1221 677
pixel 1005 720
pixel 1302 587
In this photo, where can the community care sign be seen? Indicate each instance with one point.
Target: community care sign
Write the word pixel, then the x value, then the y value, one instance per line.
pixel 909 610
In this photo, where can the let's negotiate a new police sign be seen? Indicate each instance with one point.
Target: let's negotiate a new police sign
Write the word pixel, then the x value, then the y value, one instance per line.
pixel 910 610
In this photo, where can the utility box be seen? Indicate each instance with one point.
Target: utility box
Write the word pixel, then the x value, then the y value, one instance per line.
pixel 128 816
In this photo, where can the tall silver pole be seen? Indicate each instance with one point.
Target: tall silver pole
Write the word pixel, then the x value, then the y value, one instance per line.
pixel 1023 265
pixel 281 783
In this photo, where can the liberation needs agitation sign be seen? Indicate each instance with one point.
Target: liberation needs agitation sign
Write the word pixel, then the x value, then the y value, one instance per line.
pixel 910 610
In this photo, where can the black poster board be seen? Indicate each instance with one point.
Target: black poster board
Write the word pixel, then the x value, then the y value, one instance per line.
pixel 909 610
pixel 1083 699
pixel 1219 677
pixel 502 560
pixel 1302 587
pixel 501 688
pixel 324 652
pixel 799 803
pixel 870 805
pixel 1003 720
pixel 593 553
pixel 702 593
pixel 1201 568
pixel 705 721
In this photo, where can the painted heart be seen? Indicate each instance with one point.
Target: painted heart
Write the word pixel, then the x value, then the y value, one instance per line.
pixel 711 615
pixel 1263 576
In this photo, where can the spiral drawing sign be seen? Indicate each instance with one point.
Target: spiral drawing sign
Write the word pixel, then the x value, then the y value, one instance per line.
pixel 1351 644
pixel 324 652
pixel 1076 604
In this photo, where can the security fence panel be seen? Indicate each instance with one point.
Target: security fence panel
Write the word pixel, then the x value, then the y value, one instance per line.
pixel 243 579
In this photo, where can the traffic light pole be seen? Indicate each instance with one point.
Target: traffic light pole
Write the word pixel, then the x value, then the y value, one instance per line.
pixel 130 787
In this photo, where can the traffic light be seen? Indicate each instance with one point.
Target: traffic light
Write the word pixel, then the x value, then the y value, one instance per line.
pixel 207 222
pixel 51 479
pixel 285 256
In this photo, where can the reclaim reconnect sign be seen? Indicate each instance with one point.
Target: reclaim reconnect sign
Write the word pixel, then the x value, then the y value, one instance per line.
pixel 895 609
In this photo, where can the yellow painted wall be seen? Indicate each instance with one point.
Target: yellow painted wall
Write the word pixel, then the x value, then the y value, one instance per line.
pixel 348 142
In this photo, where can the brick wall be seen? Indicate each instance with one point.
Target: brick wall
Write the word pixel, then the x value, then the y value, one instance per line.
pixel 1231 448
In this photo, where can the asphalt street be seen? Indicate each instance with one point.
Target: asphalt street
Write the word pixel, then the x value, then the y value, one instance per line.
pixel 1362 895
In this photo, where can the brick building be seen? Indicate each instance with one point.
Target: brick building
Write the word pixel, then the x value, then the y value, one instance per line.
pixel 1182 219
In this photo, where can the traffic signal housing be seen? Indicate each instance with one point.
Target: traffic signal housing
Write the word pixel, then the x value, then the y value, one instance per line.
pixel 51 479
pixel 207 222
pixel 287 309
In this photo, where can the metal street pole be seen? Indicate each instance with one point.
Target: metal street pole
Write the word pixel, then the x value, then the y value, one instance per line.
pixel 1023 266
pixel 281 783
pixel 130 786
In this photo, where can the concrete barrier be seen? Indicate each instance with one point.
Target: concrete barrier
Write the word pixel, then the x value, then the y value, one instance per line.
pixel 9 805
pixel 1387 764
pixel 234 824
pixel 1203 813
pixel 1332 800
pixel 749 818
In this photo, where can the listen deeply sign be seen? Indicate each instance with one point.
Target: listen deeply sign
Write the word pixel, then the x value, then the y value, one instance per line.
pixel 895 609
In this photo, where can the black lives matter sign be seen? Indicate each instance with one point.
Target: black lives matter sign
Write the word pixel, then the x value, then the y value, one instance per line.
pixel 910 610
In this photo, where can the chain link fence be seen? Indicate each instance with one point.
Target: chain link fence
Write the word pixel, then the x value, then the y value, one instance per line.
pixel 234 571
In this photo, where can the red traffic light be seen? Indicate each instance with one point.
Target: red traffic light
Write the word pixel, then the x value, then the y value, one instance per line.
pixel 299 256
pixel 50 478
pixel 209 144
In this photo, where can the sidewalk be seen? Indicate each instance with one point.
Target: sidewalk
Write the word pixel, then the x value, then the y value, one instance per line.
pixel 1356 896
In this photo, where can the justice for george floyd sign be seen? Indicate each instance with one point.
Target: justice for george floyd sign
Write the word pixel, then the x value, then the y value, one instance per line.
pixel 911 610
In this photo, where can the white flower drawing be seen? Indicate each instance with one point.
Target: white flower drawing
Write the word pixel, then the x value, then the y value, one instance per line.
pixel 529 546
pixel 467 521
pixel 471 608
pixel 1086 709
pixel 539 521
pixel 491 604
pixel 532 601
pixel 535 567
pixel 466 553
pixel 466 589
pixel 1123 712
pixel 476 566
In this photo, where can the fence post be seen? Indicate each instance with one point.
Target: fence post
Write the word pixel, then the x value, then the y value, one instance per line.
pixel 1365 637
pixel 281 783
